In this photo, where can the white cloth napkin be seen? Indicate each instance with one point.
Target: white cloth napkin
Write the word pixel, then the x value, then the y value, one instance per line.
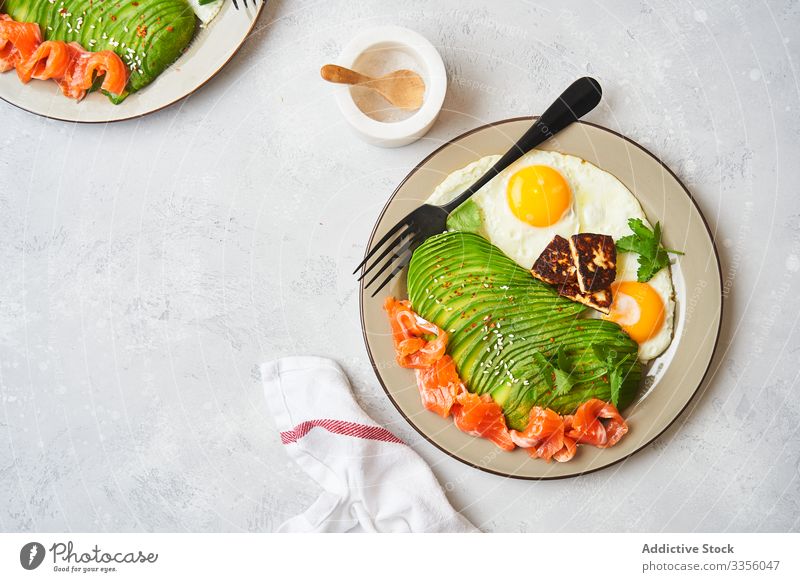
pixel 372 480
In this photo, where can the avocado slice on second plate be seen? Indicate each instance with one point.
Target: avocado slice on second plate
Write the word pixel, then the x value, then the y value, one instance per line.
pixel 149 35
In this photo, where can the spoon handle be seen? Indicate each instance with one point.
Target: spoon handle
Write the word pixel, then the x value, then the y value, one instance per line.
pixel 337 74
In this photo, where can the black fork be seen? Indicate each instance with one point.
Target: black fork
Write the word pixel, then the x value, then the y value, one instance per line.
pixel 427 220
pixel 253 2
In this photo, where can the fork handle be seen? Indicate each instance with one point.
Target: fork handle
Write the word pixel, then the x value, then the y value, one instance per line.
pixel 578 100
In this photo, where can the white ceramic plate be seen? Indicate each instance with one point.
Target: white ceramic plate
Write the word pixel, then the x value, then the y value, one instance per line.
pixel 209 51
pixel 672 378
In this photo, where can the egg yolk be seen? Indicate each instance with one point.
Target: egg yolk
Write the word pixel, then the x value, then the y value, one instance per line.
pixel 637 308
pixel 538 195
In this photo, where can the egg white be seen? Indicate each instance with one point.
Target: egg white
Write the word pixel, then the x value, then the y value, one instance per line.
pixel 601 204
pixel 206 12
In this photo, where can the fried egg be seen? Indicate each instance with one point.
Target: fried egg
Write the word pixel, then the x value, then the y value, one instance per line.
pixel 547 193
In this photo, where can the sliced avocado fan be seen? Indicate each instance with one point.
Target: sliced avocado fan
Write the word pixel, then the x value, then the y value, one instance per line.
pixel 148 35
pixel 514 337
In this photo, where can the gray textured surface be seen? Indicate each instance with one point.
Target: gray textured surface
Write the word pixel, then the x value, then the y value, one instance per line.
pixel 149 266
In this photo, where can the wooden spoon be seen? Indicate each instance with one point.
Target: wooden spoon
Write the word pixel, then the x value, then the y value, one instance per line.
pixel 403 88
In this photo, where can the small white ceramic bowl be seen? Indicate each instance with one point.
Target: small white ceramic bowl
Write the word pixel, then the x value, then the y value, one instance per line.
pixel 413 48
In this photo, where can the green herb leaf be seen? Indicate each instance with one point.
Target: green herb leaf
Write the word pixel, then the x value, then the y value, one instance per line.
pixel 648 266
pixel 540 360
pixel 545 368
pixel 558 375
pixel 615 378
pixel 466 218
pixel 562 359
pixel 603 353
pixel 630 244
pixel 639 228
pixel 563 381
pixel 647 243
pixel 614 365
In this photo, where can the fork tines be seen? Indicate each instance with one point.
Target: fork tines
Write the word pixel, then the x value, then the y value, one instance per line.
pixel 397 253
pixel 254 2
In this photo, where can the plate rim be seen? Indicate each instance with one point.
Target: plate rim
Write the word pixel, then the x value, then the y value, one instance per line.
pixel 261 5
pixel 717 334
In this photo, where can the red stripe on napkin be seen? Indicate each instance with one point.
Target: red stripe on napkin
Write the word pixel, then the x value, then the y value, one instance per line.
pixel 353 429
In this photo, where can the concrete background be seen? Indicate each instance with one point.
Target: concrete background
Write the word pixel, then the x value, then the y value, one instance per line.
pixel 148 267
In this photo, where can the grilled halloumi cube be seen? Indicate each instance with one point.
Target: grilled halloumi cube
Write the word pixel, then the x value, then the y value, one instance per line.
pixel 555 267
pixel 595 259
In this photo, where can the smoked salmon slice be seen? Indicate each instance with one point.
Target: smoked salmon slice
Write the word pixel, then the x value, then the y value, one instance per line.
pixel 598 423
pixel 409 331
pixel 565 453
pixel 49 61
pixel 72 82
pixel 18 41
pixel 439 386
pixel 482 416
pixel 111 67
pixel 85 66
pixel 545 436
pixel 70 65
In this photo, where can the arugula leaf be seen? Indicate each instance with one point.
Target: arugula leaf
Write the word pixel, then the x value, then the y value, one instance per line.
pixel 466 218
pixel 647 244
